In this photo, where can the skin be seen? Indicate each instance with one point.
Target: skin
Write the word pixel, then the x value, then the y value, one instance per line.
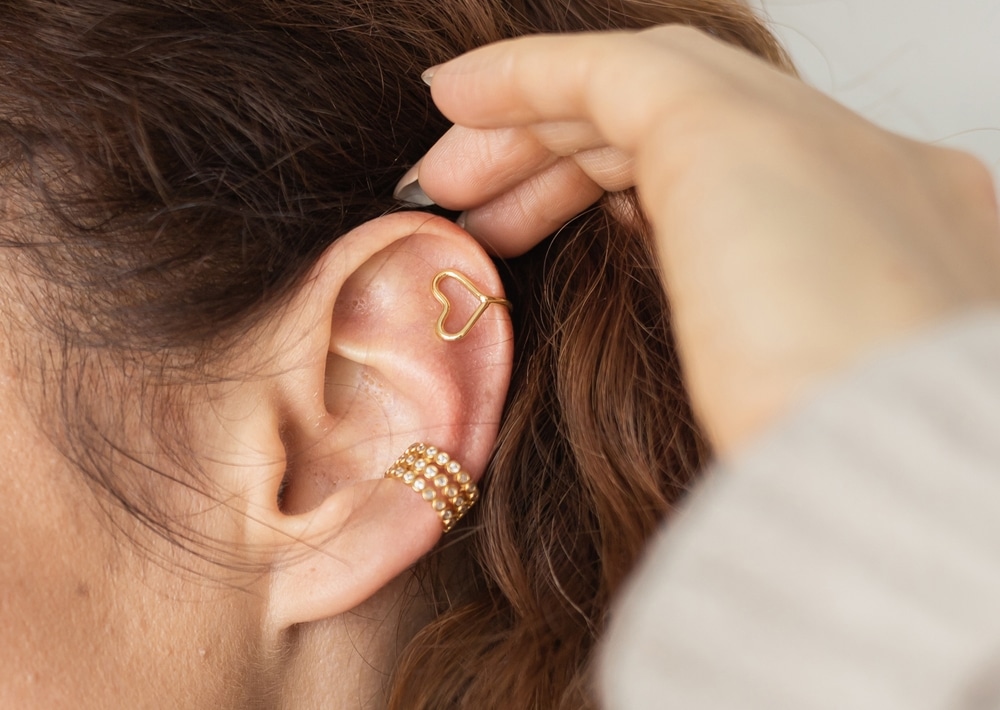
pixel 89 621
pixel 95 612
pixel 84 615
pixel 794 239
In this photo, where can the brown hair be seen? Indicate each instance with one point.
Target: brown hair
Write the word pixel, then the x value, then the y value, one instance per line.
pixel 194 157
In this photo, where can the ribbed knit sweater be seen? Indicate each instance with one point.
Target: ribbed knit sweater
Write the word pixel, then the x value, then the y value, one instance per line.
pixel 849 559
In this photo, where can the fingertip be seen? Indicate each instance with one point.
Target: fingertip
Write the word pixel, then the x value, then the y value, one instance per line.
pixel 515 222
pixel 502 237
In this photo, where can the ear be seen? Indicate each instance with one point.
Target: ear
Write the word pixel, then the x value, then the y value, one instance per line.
pixel 360 374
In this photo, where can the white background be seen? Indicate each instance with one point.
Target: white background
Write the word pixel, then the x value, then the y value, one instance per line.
pixel 929 69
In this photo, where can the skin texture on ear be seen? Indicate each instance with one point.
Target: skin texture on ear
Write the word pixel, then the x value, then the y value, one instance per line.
pixel 359 375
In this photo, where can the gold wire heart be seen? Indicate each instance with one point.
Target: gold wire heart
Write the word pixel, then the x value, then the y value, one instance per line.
pixel 484 303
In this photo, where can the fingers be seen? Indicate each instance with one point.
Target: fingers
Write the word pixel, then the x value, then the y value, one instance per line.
pixel 609 168
pixel 468 167
pixel 545 123
pixel 618 82
pixel 517 220
pixel 511 83
pixel 548 79
pixel 514 183
pixel 567 137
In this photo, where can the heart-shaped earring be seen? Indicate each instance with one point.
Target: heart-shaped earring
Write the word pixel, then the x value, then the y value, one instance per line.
pixel 484 303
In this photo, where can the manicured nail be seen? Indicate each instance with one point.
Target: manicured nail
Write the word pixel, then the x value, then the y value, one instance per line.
pixel 408 190
pixel 461 219
pixel 428 76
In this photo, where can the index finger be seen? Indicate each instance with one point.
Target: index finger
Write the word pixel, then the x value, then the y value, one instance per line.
pixel 604 78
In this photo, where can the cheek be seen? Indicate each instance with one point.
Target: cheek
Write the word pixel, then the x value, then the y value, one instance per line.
pixel 54 602
pixel 89 621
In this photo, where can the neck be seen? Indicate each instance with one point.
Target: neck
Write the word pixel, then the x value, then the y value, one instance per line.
pixel 347 661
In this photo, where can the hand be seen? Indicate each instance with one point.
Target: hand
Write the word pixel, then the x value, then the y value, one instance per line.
pixel 794 237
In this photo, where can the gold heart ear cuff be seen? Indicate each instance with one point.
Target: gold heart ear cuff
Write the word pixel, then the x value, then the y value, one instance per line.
pixel 439 479
pixel 484 303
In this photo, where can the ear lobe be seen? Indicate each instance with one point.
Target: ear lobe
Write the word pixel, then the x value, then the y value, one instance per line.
pixel 368 376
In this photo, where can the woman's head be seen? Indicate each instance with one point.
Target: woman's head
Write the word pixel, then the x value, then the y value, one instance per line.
pixel 219 331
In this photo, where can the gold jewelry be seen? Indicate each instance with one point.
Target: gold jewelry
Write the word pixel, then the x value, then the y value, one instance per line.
pixel 484 303
pixel 439 479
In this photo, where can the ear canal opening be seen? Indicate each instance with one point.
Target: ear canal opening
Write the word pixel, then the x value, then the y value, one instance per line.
pixel 282 491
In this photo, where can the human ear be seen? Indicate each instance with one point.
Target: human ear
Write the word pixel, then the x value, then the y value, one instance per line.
pixel 360 373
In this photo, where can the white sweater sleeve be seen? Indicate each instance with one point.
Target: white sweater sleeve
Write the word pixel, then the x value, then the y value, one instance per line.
pixel 849 560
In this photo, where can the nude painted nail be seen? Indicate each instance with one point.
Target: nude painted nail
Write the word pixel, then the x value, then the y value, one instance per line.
pixel 428 76
pixel 408 189
pixel 413 194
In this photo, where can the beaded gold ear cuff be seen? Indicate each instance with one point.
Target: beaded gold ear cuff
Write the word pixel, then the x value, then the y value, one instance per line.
pixel 439 479
pixel 484 303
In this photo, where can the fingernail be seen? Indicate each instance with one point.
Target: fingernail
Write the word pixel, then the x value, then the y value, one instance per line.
pixel 408 190
pixel 460 220
pixel 428 76
pixel 413 194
